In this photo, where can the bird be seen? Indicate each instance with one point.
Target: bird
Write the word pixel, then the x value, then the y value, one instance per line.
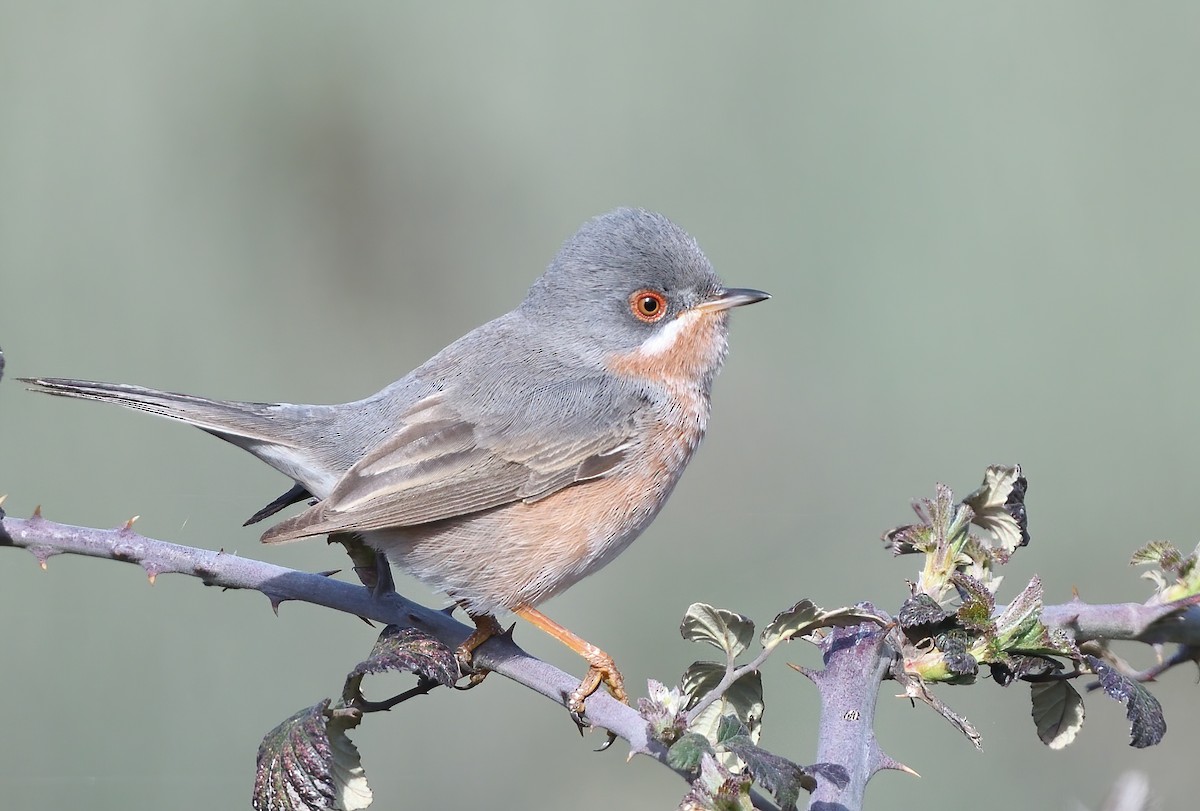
pixel 524 456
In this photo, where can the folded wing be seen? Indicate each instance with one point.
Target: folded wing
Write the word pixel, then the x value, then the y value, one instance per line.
pixel 441 465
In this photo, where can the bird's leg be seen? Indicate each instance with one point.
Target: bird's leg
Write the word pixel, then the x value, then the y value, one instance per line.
pixel 486 627
pixel 602 669
pixel 370 565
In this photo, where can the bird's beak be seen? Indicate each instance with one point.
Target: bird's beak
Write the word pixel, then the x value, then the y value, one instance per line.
pixel 732 297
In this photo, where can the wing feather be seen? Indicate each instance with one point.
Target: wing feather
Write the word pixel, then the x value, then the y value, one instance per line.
pixel 439 465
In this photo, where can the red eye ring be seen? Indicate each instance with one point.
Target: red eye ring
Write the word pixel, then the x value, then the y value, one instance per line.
pixel 648 305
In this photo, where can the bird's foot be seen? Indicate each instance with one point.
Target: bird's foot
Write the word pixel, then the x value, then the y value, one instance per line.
pixel 601 670
pixel 486 627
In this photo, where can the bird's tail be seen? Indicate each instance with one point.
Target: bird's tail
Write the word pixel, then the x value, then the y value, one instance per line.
pixel 270 431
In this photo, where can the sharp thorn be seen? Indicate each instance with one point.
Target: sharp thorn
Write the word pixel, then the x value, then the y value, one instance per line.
pixel 329 572
pixel 37 512
pixel 3 498
pixel 364 619
pixel 275 603
pixel 449 610
pixel 508 633
pixel 129 524
pixel 895 765
pixel 808 673
pixel 151 577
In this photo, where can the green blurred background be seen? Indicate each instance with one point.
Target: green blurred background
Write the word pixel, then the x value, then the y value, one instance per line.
pixel 979 223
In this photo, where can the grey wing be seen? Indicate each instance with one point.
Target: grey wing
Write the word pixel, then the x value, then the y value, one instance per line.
pixel 441 465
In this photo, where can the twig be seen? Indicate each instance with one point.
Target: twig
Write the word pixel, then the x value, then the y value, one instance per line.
pixel 732 674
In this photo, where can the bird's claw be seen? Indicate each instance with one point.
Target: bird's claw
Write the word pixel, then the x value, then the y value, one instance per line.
pixel 602 671
pixel 485 628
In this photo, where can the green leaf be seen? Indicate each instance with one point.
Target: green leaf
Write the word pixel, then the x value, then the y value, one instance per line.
pixel 1019 666
pixel 743 698
pixel 921 609
pixel 1020 626
pixel 405 650
pixel 962 665
pixel 778 775
pixel 909 539
pixel 686 752
pixel 999 507
pixel 1163 554
pixel 722 629
pixel 1146 722
pixel 790 622
pixel 1179 576
pixel 805 617
pixel 308 764
pixel 1057 712
pixel 975 613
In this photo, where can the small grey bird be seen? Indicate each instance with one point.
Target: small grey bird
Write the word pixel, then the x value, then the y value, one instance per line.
pixel 524 456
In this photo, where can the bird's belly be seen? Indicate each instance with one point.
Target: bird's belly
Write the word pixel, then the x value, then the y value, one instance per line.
pixel 525 553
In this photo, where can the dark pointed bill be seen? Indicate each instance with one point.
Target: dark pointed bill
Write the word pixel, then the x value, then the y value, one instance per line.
pixel 733 297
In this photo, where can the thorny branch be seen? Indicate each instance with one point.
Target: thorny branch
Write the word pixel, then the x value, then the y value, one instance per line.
pixel 45 539
pixel 846 696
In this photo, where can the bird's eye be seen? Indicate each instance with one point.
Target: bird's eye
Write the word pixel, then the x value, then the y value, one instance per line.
pixel 648 305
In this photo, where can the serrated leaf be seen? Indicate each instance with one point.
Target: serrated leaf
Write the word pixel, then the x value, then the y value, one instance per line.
pixel 348 774
pixel 1020 626
pixel 724 630
pixel 1160 553
pixel 686 752
pixel 999 506
pixel 921 609
pixel 961 664
pixel 978 603
pixel 1061 643
pixel 304 765
pixel 1146 722
pixel 744 698
pixel 790 622
pixel 1018 666
pixel 908 540
pixel 1057 712
pixel 405 650
pixel 778 775
pixel 805 617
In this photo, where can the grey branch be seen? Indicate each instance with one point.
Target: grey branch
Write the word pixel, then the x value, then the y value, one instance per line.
pixel 45 539
pixel 857 659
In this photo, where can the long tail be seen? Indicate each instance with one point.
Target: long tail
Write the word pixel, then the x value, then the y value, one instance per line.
pixel 274 432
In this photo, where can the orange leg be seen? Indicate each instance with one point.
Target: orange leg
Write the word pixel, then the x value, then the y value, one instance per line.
pixel 485 628
pixel 602 668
